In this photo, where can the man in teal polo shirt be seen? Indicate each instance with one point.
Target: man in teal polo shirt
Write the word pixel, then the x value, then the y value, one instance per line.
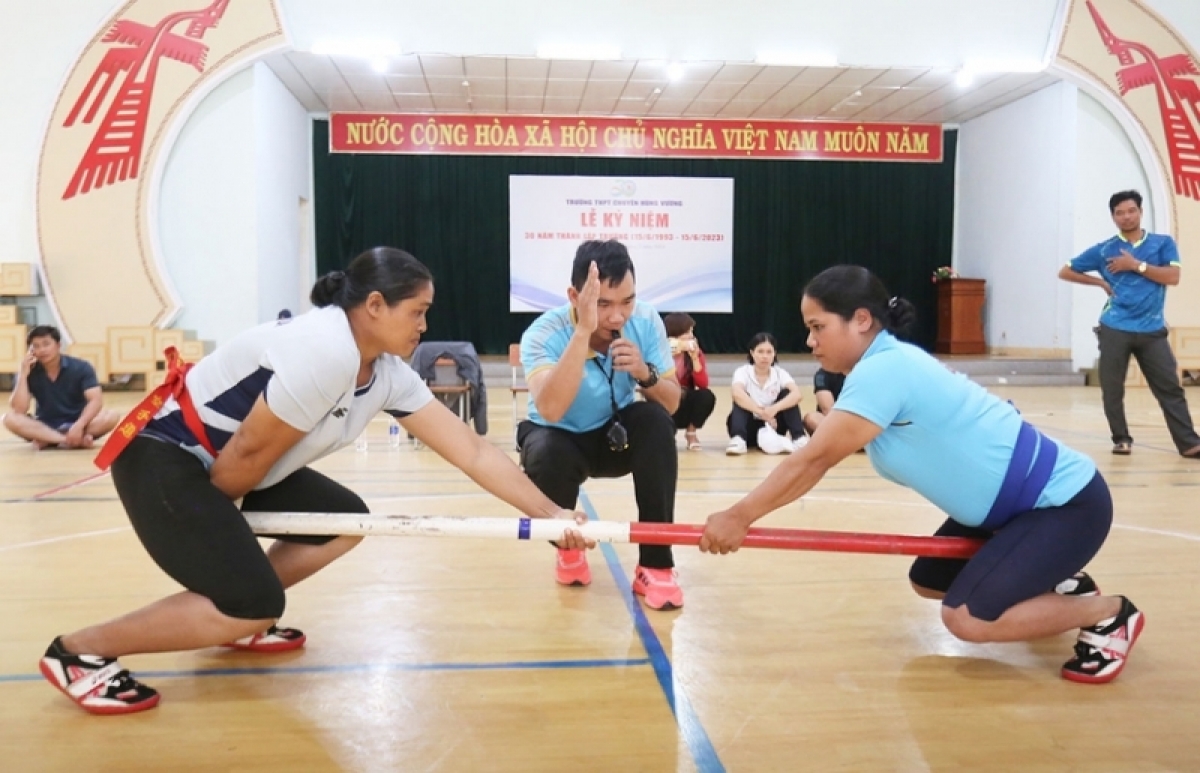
pixel 70 405
pixel 1134 268
pixel 583 362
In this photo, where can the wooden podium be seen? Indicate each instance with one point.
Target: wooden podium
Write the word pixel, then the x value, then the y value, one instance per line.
pixel 960 316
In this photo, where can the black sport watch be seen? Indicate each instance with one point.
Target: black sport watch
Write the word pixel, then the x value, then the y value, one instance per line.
pixel 652 380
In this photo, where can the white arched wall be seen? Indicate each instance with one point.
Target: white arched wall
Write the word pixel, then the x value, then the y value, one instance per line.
pixel 1014 202
pixel 243 160
pixel 54 31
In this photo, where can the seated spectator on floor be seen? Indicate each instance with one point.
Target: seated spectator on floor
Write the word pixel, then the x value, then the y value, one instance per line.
pixel 698 401
pixel 766 404
pixel 826 388
pixel 70 406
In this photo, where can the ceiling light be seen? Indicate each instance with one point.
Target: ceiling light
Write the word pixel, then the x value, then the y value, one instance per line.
pixel 797 58
pixel 379 65
pixel 1004 65
pixel 847 100
pixel 579 51
pixel 964 78
pixel 675 71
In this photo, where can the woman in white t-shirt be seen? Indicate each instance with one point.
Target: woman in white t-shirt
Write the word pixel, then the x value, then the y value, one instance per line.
pixel 244 424
pixel 765 404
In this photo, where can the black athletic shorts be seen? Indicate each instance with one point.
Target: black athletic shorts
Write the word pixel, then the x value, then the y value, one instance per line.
pixel 198 536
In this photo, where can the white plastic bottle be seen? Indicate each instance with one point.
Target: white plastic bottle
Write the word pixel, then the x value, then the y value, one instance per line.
pixel 360 443
pixel 393 433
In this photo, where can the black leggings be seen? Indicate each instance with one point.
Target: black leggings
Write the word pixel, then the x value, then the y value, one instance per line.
pixel 695 406
pixel 198 536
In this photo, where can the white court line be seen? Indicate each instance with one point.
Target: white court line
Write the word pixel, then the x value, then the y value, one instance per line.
pixel 854 501
pixel 1159 532
pixel 52 540
pixel 418 497
pixel 815 498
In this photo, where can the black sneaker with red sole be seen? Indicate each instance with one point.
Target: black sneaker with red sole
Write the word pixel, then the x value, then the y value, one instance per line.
pixel 97 684
pixel 1102 651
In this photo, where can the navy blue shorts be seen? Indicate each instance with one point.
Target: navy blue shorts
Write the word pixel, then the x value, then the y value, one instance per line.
pixel 1027 557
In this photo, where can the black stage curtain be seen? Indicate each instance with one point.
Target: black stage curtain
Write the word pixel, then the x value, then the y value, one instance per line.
pixel 791 219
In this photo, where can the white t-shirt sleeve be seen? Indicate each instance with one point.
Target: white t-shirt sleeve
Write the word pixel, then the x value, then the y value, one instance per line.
pixel 785 379
pixel 408 393
pixel 308 381
pixel 742 376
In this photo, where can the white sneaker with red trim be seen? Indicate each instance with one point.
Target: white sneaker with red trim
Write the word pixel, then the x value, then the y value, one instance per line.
pixel 274 639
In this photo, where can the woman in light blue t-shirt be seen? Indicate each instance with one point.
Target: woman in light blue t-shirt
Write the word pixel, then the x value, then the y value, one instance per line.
pixel 1041 508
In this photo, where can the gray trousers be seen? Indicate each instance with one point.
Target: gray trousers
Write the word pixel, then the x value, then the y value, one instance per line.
pixel 1157 362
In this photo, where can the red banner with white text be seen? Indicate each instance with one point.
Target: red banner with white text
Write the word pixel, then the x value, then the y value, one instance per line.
pixel 516 135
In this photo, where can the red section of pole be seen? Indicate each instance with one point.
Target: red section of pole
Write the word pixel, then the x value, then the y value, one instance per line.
pixel 803 539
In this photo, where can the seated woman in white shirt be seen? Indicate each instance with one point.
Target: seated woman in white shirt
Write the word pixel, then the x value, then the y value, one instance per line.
pixel 765 404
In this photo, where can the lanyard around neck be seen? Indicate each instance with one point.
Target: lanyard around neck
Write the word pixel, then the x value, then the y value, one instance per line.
pixel 612 390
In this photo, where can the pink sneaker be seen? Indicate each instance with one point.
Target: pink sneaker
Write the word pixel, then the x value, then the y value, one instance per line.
pixel 274 639
pixel 659 588
pixel 572 568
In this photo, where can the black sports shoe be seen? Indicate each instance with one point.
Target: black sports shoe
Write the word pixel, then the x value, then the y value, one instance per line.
pixel 99 685
pixel 1102 650
pixel 1078 584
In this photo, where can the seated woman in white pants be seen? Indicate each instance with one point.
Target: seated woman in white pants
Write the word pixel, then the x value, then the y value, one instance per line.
pixel 766 404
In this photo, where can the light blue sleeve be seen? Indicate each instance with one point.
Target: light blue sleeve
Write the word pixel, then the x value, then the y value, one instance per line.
pixel 876 390
pixel 660 347
pixel 1090 259
pixel 537 345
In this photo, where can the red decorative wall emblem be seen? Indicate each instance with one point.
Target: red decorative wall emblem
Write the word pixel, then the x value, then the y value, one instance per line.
pixel 1176 92
pixel 115 152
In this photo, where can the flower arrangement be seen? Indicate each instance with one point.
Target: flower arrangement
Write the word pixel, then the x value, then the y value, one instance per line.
pixel 944 272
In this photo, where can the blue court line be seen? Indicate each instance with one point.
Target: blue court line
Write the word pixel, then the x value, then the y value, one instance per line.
pixel 698 743
pixel 369 668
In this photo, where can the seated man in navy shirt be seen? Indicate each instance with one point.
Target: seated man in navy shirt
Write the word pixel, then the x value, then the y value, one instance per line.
pixel 1134 268
pixel 70 406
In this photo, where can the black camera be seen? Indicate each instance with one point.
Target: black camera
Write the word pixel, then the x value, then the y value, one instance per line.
pixel 618 436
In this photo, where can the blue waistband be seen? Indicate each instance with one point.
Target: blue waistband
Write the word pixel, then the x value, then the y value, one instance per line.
pixel 1028 472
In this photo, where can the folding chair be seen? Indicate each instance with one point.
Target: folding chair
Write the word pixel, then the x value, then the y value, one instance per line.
pixel 451 389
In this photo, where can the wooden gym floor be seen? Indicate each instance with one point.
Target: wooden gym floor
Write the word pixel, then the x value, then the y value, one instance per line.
pixel 463 655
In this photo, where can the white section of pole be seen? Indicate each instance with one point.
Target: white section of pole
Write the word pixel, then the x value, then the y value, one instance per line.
pixel 374 524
